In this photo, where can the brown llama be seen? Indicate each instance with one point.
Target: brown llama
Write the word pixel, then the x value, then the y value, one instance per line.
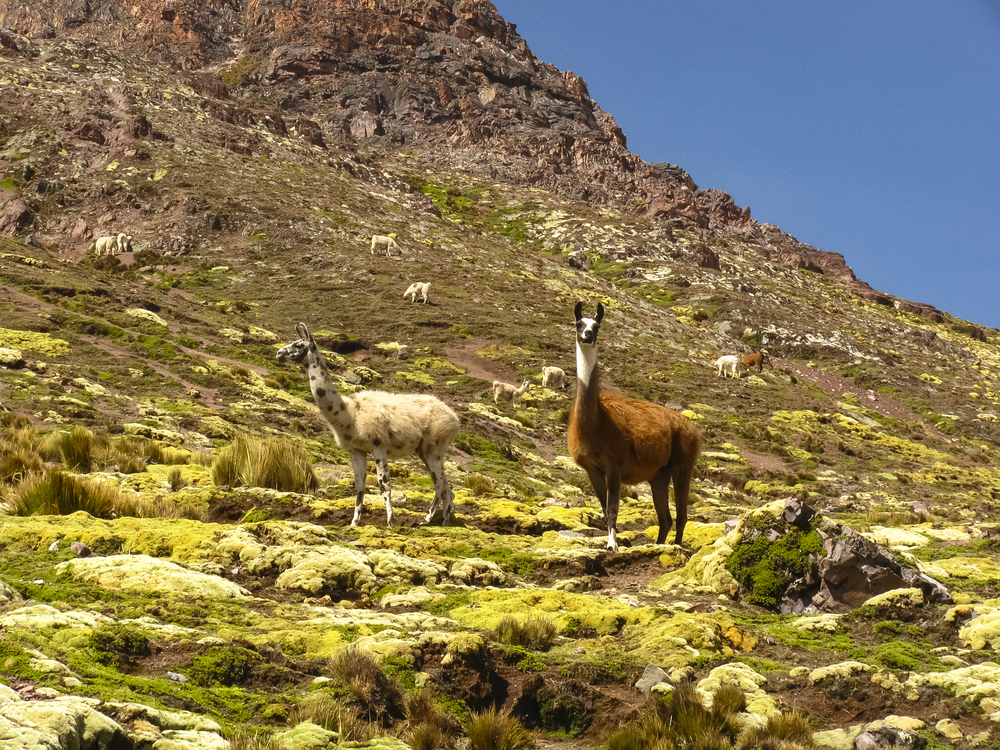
pixel 619 440
pixel 757 360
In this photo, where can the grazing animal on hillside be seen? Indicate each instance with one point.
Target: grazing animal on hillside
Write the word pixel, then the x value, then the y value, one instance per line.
pixel 386 425
pixel 758 360
pixel 554 377
pixel 113 245
pixel 508 392
pixel 619 440
pixel 384 244
pixel 730 362
pixel 422 288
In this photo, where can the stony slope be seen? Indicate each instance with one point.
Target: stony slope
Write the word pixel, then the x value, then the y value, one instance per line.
pixel 252 184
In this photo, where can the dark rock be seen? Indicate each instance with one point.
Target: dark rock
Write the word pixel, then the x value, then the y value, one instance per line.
pixel 797 513
pixel 889 738
pixel 579 260
pixel 16 215
pixel 81 549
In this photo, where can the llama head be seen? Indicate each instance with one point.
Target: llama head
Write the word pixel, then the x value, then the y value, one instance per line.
pixel 587 328
pixel 297 351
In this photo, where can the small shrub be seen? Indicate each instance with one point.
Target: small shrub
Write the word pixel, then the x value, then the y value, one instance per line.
pixel 431 727
pixel 243 738
pixel 56 493
pixel 276 463
pixel 333 714
pixel 176 480
pixel 117 643
pixel 479 485
pixel 223 665
pixel 75 448
pixel 379 698
pixel 537 633
pixel 493 730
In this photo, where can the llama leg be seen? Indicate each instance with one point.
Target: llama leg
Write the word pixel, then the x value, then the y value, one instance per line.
pixel 359 463
pixel 600 485
pixel 660 487
pixel 443 496
pixel 382 470
pixel 682 489
pixel 611 513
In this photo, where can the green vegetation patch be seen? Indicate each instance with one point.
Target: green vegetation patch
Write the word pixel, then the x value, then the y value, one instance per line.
pixel 765 567
pixel 34 342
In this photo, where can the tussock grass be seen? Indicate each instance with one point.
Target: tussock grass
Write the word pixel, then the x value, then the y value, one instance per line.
pixel 275 463
pixel 379 698
pixel 74 447
pixel 680 720
pixel 493 730
pixel 429 726
pixel 56 493
pixel 536 633
pixel 176 480
pixel 334 715
pixel 480 484
pixel 243 739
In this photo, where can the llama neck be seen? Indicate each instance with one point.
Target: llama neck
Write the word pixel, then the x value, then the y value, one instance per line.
pixel 588 386
pixel 329 402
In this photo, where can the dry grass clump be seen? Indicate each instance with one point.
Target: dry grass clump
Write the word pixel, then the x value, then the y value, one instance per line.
pixel 334 715
pixel 378 698
pixel 275 463
pixel 429 727
pixel 243 739
pixel 57 493
pixel 493 730
pixel 479 485
pixel 74 447
pixel 680 720
pixel 536 633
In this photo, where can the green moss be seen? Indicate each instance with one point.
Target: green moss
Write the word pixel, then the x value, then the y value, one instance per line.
pixel 562 713
pixel 765 568
pixel 222 665
pixel 113 643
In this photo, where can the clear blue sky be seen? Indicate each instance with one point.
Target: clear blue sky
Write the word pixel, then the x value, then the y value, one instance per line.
pixel 870 129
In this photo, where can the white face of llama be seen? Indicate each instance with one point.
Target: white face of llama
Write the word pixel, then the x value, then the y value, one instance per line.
pixel 587 328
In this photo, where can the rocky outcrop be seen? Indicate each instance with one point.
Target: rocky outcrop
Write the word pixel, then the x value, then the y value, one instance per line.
pixel 446 73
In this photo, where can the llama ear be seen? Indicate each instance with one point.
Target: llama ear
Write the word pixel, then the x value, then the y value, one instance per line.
pixel 600 312
pixel 578 310
pixel 302 331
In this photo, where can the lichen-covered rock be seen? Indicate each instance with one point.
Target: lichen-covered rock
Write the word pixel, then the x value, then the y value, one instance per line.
pixel 43 616
pixel 150 574
pixel 11 358
pixel 974 683
pixel 397 566
pixel 897 598
pixel 317 568
pixel 8 595
pixel 747 680
pixel 473 571
pixel 841 671
pixel 50 725
pixel 307 736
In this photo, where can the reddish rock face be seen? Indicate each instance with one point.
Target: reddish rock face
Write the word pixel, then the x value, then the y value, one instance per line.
pixel 442 74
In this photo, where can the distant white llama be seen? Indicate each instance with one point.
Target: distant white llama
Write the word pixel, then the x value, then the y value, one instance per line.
pixel 730 362
pixel 386 425
pixel 422 288
pixel 554 377
pixel 385 245
pixel 112 245
pixel 506 392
